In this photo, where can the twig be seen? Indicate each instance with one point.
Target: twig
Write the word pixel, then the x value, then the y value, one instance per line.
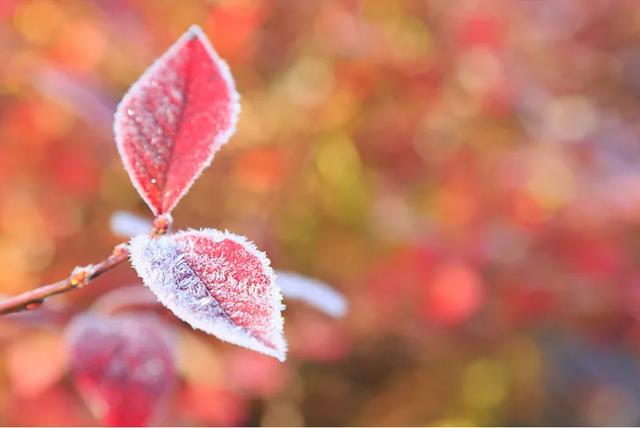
pixel 80 277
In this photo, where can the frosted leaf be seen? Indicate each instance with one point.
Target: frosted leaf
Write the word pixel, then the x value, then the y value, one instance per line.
pixel 123 366
pixel 217 282
pixel 174 118
pixel 313 292
pixel 126 224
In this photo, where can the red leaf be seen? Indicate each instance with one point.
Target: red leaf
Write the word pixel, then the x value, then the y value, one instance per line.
pixel 217 282
pixel 174 118
pixel 122 365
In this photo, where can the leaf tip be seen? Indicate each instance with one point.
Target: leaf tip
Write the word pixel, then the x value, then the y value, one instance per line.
pixel 195 31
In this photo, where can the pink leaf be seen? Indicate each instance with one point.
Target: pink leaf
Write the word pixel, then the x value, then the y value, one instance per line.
pixel 174 118
pixel 123 366
pixel 217 282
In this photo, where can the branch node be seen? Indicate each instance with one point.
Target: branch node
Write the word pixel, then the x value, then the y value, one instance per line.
pixel 120 249
pixel 81 276
pixel 161 224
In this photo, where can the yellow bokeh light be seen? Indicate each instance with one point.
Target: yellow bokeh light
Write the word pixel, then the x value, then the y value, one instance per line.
pixel 485 384
pixel 39 21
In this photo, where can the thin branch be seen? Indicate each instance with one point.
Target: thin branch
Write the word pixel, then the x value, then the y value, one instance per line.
pixel 80 277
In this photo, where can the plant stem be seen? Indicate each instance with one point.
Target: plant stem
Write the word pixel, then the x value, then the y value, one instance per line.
pixel 80 277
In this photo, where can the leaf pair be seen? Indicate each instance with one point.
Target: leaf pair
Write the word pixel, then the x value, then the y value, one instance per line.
pixel 168 128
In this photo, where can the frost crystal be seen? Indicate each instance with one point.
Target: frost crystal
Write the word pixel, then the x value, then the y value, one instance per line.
pixel 313 292
pixel 174 118
pixel 217 282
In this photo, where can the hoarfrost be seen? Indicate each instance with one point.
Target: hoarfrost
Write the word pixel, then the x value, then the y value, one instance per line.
pixel 217 282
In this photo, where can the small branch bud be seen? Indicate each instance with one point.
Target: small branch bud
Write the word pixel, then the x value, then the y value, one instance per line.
pixel 161 224
pixel 80 276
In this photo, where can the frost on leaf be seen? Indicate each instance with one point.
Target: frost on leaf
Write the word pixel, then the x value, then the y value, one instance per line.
pixel 174 118
pixel 217 282
pixel 123 366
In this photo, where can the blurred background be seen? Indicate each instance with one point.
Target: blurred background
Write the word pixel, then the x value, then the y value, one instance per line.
pixel 467 173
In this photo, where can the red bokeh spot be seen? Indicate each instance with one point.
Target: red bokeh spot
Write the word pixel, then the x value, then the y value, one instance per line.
pixel 454 293
pixel 481 30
